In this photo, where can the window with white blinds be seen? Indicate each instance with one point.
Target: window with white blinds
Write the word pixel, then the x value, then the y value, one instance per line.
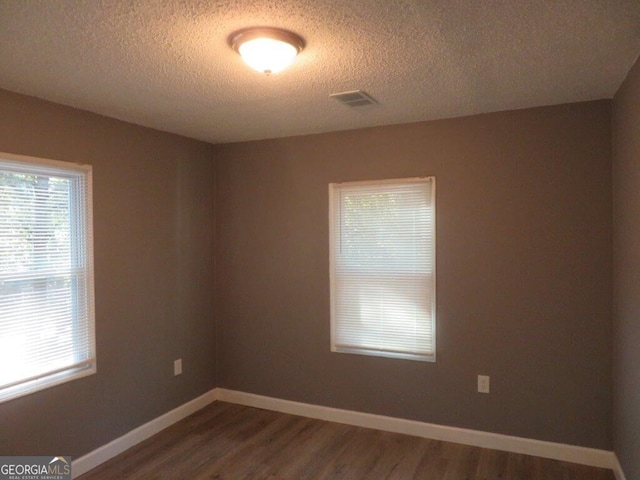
pixel 382 252
pixel 46 274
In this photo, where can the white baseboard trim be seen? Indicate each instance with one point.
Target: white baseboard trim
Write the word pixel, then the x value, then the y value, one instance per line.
pixel 557 451
pixel 128 440
pixel 617 468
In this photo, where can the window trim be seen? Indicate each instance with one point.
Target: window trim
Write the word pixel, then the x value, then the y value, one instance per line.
pixel 88 366
pixel 429 357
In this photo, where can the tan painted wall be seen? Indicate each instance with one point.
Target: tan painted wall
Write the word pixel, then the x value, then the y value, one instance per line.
pixel 523 271
pixel 153 228
pixel 626 194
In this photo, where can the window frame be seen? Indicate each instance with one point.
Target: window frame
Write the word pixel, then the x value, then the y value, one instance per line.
pixel 81 266
pixel 429 356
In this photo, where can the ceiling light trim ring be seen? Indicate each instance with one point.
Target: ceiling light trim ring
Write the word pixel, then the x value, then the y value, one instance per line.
pixel 236 39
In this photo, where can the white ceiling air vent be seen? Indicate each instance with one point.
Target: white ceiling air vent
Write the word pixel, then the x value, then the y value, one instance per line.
pixel 354 99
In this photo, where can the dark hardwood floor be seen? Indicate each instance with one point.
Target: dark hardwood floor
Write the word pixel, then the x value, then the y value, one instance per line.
pixel 231 442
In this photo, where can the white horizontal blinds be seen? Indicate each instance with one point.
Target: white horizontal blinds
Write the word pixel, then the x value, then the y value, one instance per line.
pixel 383 247
pixel 46 277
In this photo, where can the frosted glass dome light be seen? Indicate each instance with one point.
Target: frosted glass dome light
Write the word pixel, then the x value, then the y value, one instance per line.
pixel 267 50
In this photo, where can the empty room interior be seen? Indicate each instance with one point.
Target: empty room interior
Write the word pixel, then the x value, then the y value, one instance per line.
pixel 409 250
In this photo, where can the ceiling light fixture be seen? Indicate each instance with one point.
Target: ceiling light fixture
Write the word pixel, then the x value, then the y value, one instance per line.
pixel 266 50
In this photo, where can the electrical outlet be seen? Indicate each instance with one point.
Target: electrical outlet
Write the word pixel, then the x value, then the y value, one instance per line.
pixel 177 367
pixel 483 383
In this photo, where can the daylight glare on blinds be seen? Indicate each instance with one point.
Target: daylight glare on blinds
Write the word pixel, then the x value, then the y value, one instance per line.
pixel 383 268
pixel 46 275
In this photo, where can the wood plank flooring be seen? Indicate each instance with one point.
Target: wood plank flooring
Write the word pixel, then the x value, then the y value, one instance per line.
pixel 230 442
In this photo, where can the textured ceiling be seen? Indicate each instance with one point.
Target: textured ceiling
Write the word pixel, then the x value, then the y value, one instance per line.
pixel 166 64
